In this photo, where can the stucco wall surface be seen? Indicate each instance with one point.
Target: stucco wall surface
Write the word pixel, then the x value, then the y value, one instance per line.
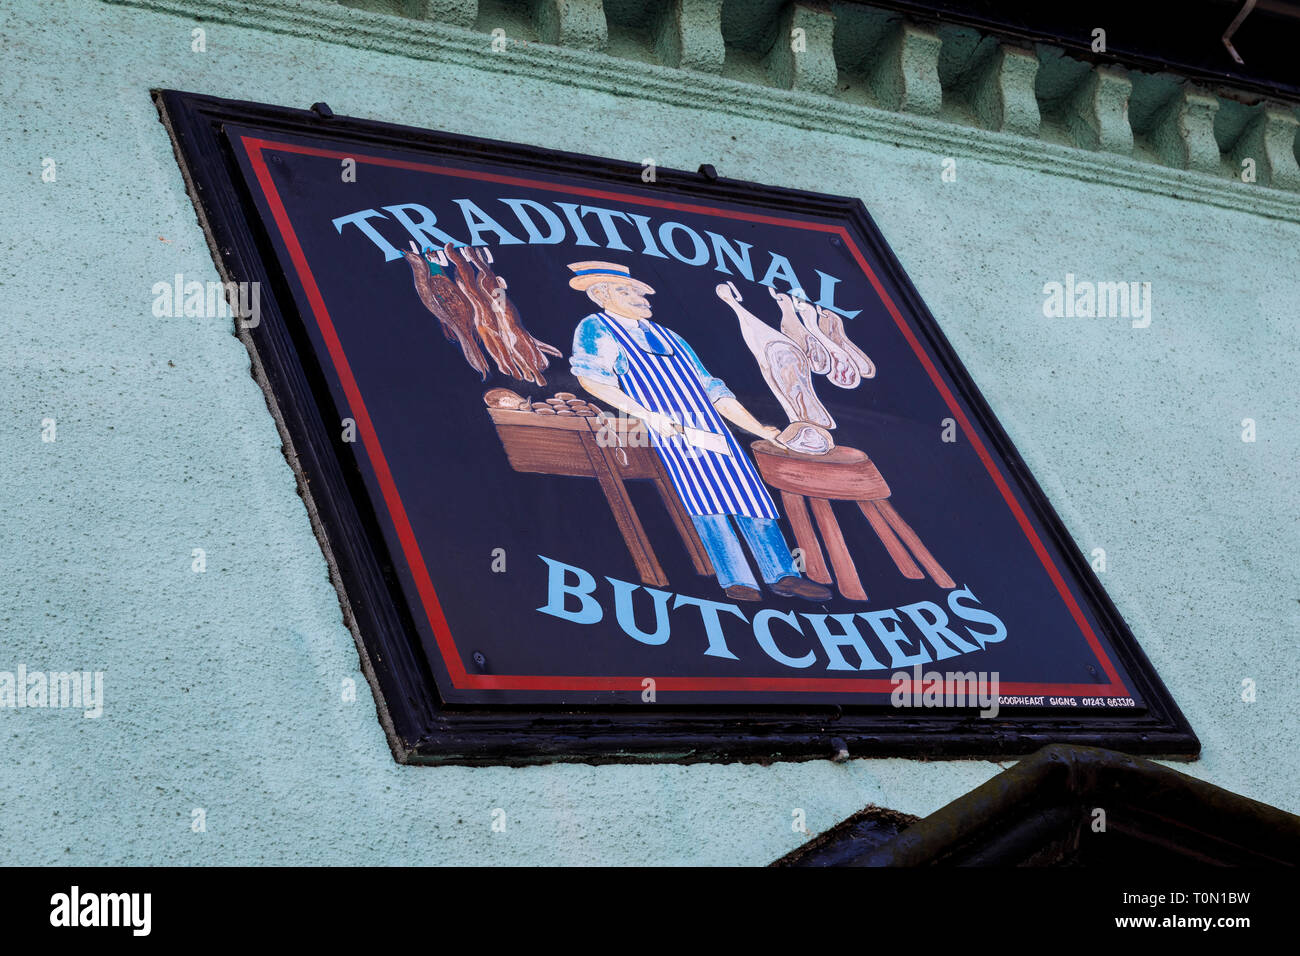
pixel 222 688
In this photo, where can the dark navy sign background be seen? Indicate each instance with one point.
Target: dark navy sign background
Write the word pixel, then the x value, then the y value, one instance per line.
pixel 482 550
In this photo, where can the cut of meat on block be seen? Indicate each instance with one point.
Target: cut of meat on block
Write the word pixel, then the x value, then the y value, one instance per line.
pixel 806 438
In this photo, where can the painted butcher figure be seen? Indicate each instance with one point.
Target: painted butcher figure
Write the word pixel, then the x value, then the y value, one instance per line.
pixel 627 360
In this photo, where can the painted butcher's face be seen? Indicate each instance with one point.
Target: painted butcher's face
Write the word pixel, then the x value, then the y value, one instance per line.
pixel 621 299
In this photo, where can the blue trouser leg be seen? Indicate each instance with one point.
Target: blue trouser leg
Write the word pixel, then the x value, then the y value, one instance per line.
pixel 724 550
pixel 768 545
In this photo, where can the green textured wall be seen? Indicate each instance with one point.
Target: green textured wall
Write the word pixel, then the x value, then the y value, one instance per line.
pixel 223 688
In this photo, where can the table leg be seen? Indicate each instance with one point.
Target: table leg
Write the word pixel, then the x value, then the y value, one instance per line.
pixel 805 537
pixel 620 505
pixel 846 575
pixel 685 527
pixel 902 560
pixel 912 541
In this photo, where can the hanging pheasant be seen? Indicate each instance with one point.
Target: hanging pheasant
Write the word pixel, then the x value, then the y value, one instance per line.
pixel 441 296
pixel 485 323
pixel 469 299
pixel 526 353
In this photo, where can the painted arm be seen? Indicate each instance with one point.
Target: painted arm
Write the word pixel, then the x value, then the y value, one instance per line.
pixel 731 409
pixel 612 395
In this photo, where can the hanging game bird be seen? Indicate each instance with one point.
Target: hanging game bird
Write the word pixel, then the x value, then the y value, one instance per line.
pixel 523 352
pixel 444 298
pixel 471 304
pixel 485 325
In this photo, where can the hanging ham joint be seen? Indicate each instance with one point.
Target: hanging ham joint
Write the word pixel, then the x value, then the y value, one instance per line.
pixel 783 362
pixel 832 326
pixel 844 371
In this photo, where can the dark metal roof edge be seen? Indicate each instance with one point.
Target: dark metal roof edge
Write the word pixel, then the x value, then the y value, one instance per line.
pixel 1085 776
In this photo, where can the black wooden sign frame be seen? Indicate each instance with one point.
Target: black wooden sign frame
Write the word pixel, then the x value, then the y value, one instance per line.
pixel 422 727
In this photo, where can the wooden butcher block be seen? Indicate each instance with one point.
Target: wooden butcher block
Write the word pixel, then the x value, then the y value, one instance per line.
pixel 842 473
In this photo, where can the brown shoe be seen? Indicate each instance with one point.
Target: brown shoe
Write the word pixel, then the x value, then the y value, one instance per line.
pixel 742 592
pixel 794 586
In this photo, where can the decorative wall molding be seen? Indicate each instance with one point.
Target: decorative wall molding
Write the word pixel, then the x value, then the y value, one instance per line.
pixel 900 67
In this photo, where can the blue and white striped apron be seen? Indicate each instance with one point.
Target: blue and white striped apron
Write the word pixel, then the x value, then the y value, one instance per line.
pixel 708 483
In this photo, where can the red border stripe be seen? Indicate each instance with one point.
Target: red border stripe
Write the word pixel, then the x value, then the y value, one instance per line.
pixel 406 535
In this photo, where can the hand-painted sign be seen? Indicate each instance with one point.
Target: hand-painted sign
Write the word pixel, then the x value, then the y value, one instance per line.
pixel 667 444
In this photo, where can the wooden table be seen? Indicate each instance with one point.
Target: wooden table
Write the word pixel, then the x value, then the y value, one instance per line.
pixel 563 445
pixel 843 474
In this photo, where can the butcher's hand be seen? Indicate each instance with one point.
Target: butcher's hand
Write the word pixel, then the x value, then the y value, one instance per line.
pixel 662 425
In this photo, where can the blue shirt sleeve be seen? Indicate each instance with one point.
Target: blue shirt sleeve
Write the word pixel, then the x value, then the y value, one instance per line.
pixel 596 353
pixel 715 388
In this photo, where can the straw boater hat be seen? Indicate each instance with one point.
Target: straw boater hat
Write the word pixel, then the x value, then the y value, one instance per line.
pixel 588 274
